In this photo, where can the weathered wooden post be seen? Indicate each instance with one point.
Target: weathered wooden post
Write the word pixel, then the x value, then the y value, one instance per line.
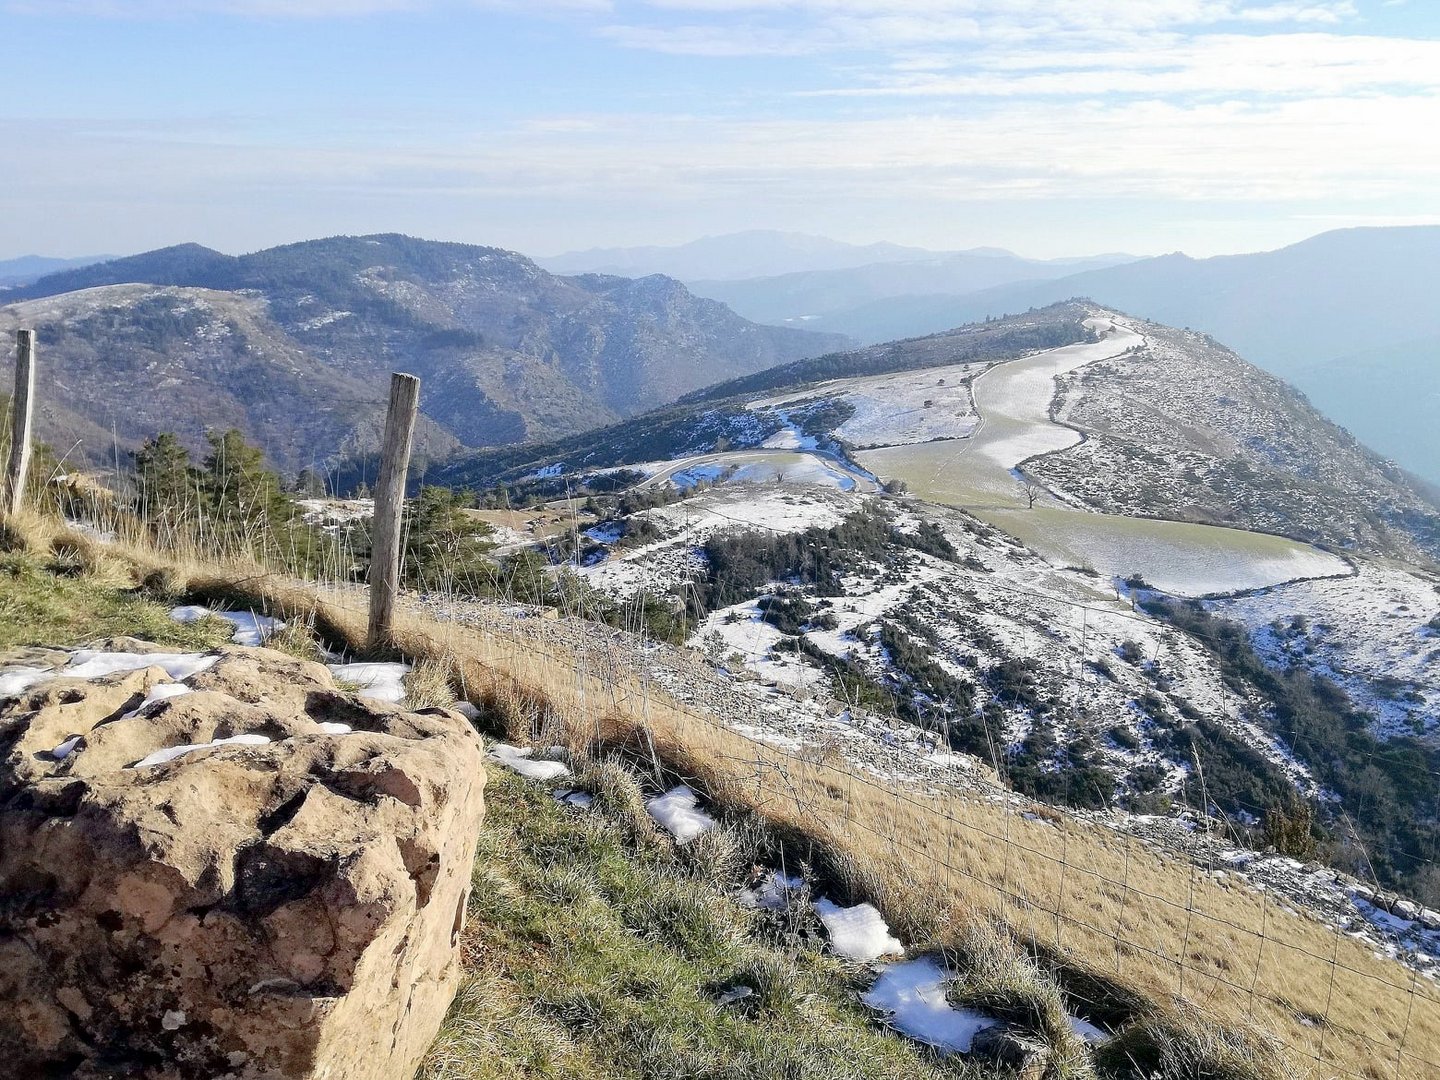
pixel 390 506
pixel 21 405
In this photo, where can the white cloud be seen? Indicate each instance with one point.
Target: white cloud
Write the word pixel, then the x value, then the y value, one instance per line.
pixel 1274 64
pixel 288 9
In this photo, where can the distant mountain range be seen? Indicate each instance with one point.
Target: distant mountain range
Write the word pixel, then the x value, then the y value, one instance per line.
pixel 294 345
pixel 815 298
pixel 28 268
pixel 761 253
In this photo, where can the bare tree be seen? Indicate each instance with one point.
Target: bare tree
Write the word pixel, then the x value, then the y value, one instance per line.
pixel 1029 491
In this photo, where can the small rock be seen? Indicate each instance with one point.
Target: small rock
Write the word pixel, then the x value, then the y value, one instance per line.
pixel 1012 1049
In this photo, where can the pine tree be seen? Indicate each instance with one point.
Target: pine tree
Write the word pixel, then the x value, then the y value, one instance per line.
pixel 167 485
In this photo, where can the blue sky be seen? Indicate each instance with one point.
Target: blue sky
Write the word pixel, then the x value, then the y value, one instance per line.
pixel 1052 127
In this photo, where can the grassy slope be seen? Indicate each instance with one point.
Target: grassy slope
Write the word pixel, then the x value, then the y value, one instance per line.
pixel 592 953
pixel 40 607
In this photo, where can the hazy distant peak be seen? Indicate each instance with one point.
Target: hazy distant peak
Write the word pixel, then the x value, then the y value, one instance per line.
pixel 753 253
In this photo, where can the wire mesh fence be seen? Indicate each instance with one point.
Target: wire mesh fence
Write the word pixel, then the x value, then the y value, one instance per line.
pixel 1168 924
pixel 1164 922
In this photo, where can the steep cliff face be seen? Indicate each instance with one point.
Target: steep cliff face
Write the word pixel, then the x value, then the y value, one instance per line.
pixel 292 345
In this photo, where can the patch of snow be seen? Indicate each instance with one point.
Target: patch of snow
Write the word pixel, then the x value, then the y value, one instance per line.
pixel 772 894
pixel 66 748
pixel 607 533
pixel 170 753
pixel 96 663
pixel 333 727
pixel 859 932
pixel 159 692
pixel 380 682
pixel 734 994
pixel 679 814
pixel 574 797
pixel 15 681
pixel 249 628
pixel 105 536
pixel 517 759
pixel 1087 1031
pixel 913 995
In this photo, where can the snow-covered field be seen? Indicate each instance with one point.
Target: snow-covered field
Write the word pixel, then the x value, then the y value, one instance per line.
pixel 905 407
pixel 779 465
pixel 1377 634
pixel 658 566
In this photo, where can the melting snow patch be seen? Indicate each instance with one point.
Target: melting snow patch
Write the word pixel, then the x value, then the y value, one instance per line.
pixel 94 664
pixel 772 894
pixel 517 759
pixel 250 628
pixel 16 681
pixel 170 753
pixel 66 748
pixel 574 797
pixel 382 682
pixel 913 994
pixel 333 727
pixel 859 932
pixel 159 693
pixel 734 994
pixel 1087 1031
pixel 678 812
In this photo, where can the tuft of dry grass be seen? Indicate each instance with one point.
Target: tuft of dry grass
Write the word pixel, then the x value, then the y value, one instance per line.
pixel 1184 1044
pixel 998 978
pixel 431 683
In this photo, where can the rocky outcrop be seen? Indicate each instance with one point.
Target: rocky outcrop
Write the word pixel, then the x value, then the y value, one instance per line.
pixel 281 898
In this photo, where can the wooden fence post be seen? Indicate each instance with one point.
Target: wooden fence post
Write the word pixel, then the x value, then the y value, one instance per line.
pixel 389 507
pixel 22 405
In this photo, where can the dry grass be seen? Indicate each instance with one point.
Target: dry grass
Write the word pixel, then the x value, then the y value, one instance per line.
pixel 1153 924
pixel 431 683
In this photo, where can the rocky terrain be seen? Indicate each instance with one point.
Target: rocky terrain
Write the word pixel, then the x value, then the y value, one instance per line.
pixel 222 865
pixel 294 345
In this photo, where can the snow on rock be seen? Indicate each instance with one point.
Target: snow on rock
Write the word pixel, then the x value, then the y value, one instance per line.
pixel 517 759
pixel 334 727
pixel 912 994
pixel 250 628
pixel 382 682
pixel 96 663
pixel 170 753
pixel 679 814
pixel 68 747
pixel 859 932
pixel 409 800
pixel 159 692
pixel 15 681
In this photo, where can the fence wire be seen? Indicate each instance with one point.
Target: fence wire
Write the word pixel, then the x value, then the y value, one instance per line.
pixel 608 684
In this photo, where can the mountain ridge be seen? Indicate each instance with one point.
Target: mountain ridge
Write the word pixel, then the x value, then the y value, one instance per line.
pixel 512 351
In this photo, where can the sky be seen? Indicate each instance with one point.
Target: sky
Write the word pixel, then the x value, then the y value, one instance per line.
pixel 1049 127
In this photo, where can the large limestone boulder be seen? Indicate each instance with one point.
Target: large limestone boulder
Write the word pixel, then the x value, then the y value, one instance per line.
pixel 283 904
